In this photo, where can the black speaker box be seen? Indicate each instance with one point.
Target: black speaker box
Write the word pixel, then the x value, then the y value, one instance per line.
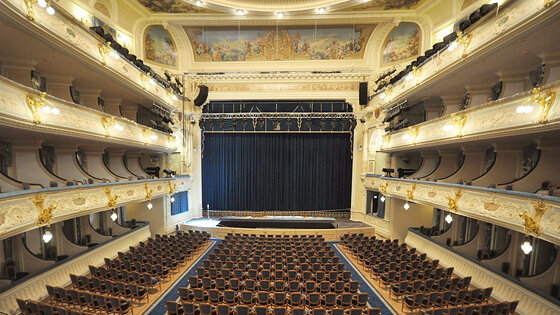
pixel 202 95
pixel 363 93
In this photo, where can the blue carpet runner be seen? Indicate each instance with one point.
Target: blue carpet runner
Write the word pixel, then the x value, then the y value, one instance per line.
pixel 375 299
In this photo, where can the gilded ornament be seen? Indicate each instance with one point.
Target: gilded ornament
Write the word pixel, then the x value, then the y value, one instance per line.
pixel 45 214
pixel 172 187
pixel 453 202
pixel 103 51
pixel 146 133
pixel 531 224
pixel 111 200
pixel 34 106
pixel 30 9
pixel 460 122
pixel 543 98
pixel 149 191
pixel 465 40
pixel 107 122
pixel 384 187
pixel 413 133
pixel 410 192
pixel 386 140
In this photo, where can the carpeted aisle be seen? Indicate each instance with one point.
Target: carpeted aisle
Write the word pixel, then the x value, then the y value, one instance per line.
pixel 375 299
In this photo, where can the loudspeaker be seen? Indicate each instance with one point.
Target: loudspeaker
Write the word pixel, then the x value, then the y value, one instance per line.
pixel 202 95
pixel 363 93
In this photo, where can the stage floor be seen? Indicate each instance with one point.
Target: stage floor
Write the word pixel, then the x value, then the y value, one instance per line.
pixel 278 222
pixel 335 223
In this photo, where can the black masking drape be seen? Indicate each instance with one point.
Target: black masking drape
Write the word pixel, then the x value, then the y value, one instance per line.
pixel 276 171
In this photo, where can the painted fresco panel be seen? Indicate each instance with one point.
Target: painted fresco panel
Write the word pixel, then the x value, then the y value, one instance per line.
pixel 218 44
pixel 402 43
pixel 159 47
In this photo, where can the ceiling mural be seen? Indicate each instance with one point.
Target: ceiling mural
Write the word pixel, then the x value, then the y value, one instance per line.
pixel 159 47
pixel 173 6
pixel 263 43
pixel 386 5
pixel 403 42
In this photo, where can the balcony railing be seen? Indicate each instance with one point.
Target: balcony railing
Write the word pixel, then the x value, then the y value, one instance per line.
pixel 524 212
pixel 21 211
pixel 24 108
pixel 529 112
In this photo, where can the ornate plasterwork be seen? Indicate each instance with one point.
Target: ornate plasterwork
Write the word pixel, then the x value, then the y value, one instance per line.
pixel 19 213
pixel 508 20
pixel 73 120
pixel 488 205
pixel 486 121
pixel 228 87
pixel 73 37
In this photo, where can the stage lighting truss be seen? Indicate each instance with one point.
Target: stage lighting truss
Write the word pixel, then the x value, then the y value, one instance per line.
pixel 261 115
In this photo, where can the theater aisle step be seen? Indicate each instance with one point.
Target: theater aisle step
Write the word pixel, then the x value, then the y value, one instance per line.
pixel 377 297
pixel 156 297
pixel 182 280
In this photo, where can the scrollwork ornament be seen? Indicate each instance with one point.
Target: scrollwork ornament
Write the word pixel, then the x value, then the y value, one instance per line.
pixel 453 202
pixel 410 192
pixel 45 215
pixel 531 224
pixel 384 187
pixel 111 200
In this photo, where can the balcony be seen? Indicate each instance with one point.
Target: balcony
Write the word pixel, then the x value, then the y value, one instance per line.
pixel 519 211
pixel 521 114
pixel 24 210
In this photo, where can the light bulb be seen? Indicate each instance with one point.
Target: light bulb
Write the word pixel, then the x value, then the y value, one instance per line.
pixel 55 111
pixel 47 237
pixel 174 97
pixel 447 127
pixel 448 218
pixel 50 10
pixel 406 206
pixel 114 54
pixel 409 77
pixel 42 3
pixel 153 137
pixel 172 199
pixel 528 109
pixel 383 95
pixel 321 10
pixel 150 206
pixel 47 109
pixel 240 12
pixel 114 216
pixel 152 82
pixel 382 199
pixel 198 2
pixel 452 46
pixel 526 247
pixel 280 15
pixel 119 127
pixel 406 136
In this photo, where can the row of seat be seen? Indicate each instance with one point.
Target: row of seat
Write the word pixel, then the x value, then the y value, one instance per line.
pixel 188 308
pixel 447 298
pixel 86 301
pixel 32 307
pixel 123 289
pixel 426 286
pixel 503 308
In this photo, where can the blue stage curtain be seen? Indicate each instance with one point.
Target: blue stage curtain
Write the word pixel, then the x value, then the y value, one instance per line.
pixel 181 203
pixel 276 171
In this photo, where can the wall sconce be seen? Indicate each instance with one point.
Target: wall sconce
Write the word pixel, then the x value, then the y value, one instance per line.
pixel 415 73
pixel 45 215
pixel 448 218
pixel 382 199
pixel 545 99
pixel 42 3
pixel 35 105
pixel 147 134
pixel 458 121
pixel 463 39
pixel 107 122
pixel 413 132
pixel 172 191
pixel 103 51
pixel 114 215
pixel 531 225
pixel 111 200
pixel 149 196
pixel 406 206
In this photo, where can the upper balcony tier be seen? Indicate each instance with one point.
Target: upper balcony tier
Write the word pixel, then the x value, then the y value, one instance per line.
pixel 25 113
pixel 21 211
pixel 62 46
pixel 521 115
pixel 513 38
pixel 524 212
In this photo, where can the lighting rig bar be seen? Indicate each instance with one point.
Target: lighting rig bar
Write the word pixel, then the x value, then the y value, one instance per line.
pixel 326 115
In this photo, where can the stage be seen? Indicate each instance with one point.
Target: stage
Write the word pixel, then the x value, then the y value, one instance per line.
pixel 330 228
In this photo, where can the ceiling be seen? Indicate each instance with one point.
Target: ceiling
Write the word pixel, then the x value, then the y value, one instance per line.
pixel 267 6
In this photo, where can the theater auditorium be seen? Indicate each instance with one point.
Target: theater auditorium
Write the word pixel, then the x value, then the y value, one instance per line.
pixel 280 157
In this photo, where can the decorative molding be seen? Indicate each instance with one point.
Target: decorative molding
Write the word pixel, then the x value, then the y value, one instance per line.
pixel 72 119
pixel 504 290
pixel 59 276
pixel 492 120
pixel 24 210
pixel 496 206
pixel 519 15
pixel 82 43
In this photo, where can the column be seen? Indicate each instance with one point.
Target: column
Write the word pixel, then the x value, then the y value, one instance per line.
pixel 59 86
pixel 18 69
pixel 479 95
pixel 433 108
pixel 90 97
pixel 452 103
pixel 513 82
pixel 113 106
